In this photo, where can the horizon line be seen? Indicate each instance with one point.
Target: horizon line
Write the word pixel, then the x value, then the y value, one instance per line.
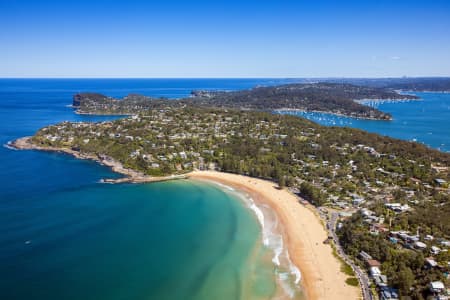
pixel 311 77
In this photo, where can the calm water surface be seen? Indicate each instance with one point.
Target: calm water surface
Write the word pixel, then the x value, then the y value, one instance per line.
pixel 426 121
pixel 63 235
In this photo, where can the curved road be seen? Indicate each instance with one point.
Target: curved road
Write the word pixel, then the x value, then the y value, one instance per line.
pixel 360 274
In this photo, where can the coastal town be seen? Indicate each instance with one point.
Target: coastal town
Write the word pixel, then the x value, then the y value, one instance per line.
pixel 225 150
pixel 375 188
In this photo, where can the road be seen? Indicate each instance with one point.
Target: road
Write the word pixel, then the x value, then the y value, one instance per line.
pixel 360 274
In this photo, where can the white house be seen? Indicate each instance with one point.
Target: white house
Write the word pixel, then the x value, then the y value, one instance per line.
pixel 431 262
pixel 375 271
pixel 435 250
pixel 437 287
pixel 420 245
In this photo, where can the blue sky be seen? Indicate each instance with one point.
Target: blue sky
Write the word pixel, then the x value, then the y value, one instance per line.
pixel 264 38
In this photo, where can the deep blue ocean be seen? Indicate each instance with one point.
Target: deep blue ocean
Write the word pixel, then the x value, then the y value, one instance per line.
pixel 64 235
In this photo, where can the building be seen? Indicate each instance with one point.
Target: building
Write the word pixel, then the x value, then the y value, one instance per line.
pixel 380 281
pixel 437 287
pixel 445 243
pixel 374 271
pixel 431 262
pixel 420 245
pixel 373 263
pixel 388 293
pixel 435 250
pixel 397 207
pixel 440 181
pixel 379 228
pixel 429 237
pixel 364 255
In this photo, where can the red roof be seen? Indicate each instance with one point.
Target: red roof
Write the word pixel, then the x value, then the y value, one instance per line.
pixel 373 263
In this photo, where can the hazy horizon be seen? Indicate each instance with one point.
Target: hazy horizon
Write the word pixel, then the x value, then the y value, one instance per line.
pixel 224 39
pixel 287 78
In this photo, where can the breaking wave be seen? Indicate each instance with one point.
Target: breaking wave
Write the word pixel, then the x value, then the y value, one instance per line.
pixel 288 275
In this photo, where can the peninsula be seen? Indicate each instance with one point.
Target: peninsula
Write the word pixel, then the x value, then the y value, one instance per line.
pixel 324 97
pixel 415 84
pixel 383 187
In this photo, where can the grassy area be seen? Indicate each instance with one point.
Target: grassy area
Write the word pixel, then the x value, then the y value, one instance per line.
pixel 347 269
pixel 344 266
pixel 353 281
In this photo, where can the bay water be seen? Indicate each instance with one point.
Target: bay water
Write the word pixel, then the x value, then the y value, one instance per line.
pixel 64 235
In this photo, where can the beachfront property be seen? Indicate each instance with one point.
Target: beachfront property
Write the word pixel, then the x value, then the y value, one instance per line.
pixel 387 293
pixel 426 244
pixel 354 180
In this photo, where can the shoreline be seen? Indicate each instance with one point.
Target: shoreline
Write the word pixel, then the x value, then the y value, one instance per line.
pixel 130 176
pixel 286 274
pixel 283 110
pixel 303 232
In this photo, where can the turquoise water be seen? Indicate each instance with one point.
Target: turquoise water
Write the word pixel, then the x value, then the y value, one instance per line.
pixel 177 240
pixel 426 121
pixel 64 235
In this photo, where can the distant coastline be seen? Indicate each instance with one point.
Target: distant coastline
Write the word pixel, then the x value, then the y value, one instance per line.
pixel 325 97
pixel 283 110
pixel 360 101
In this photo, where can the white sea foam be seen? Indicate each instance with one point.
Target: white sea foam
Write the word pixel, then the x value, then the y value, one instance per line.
pixel 259 215
pixel 277 246
pixel 288 275
pixel 295 271
pixel 284 281
pixel 225 186
pixel 8 146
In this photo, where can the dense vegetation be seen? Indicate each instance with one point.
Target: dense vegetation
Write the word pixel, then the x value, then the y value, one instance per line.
pixel 291 150
pixel 407 84
pixel 329 97
pixel 405 268
pixel 326 97
pixel 326 165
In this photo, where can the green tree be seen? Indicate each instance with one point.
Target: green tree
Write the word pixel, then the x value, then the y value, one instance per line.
pixel 405 280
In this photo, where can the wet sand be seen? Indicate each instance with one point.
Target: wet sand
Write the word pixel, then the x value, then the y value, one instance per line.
pixel 304 234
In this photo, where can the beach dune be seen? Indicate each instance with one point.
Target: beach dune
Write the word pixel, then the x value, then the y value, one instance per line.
pixel 304 234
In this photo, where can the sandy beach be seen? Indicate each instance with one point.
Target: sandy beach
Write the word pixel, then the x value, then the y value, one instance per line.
pixel 303 230
pixel 304 234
